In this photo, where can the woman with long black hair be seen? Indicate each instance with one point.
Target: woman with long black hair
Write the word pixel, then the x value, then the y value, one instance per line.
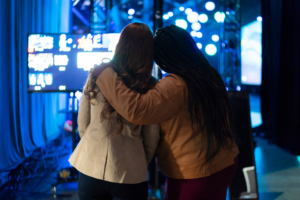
pixel 197 152
pixel 113 153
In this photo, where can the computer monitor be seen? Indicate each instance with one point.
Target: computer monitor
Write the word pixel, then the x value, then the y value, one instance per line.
pixel 61 62
pixel 251 53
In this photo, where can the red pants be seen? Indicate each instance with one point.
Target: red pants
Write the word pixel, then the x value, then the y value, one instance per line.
pixel 213 187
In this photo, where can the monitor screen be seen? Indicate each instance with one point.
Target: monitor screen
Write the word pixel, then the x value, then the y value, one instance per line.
pixel 251 53
pixel 61 62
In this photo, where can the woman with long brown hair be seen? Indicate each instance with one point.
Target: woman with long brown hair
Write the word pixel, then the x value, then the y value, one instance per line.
pixel 113 154
pixel 197 152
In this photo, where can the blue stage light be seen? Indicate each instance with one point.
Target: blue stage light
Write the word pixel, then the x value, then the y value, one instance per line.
pixel 238 88
pixel 211 49
pixel 193 33
pixel 219 17
pixel 188 10
pixel 203 18
pixel 215 38
pixel 181 23
pixel 165 16
pixel 199 45
pixel 259 18
pixel 131 11
pixel 210 6
pixel 192 17
pixel 181 8
pixel 170 14
pixel 196 26
pixel 199 35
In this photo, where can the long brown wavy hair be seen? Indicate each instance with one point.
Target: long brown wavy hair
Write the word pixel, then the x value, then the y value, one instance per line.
pixel 133 62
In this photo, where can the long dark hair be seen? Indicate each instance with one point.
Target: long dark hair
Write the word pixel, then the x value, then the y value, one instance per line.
pixel 176 52
pixel 133 62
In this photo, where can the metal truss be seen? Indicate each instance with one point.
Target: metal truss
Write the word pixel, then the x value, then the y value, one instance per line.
pixel 230 44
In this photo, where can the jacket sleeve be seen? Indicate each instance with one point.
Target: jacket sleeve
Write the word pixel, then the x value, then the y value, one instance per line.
pixel 157 105
pixel 84 113
pixel 151 136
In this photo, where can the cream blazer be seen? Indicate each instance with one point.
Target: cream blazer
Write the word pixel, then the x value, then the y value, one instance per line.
pixel 121 158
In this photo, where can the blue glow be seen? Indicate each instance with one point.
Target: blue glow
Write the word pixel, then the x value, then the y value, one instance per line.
pixel 238 88
pixel 199 45
pixel 298 158
pixel 203 18
pixel 170 14
pixel 199 35
pixel 211 49
pixel 165 16
pixel 181 23
pixel 188 11
pixel 193 33
pixel 215 38
pixel 181 8
pixel 219 17
pixel 131 11
pixel 196 26
pixel 210 6
pixel 192 17
pixel 259 18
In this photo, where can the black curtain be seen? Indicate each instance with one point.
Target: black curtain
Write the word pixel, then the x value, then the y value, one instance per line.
pixel 271 28
pixel 288 108
pixel 280 89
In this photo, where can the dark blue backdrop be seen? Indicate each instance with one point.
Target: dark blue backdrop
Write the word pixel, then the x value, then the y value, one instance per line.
pixel 27 121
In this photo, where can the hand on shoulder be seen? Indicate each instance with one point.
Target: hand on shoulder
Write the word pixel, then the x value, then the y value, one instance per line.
pixel 98 69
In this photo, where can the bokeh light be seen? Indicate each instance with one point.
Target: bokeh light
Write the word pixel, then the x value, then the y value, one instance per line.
pixel 219 17
pixel 211 49
pixel 259 18
pixel 181 8
pixel 203 18
pixel 192 17
pixel 199 45
pixel 215 38
pixel 199 35
pixel 131 11
pixel 210 6
pixel 244 78
pixel 165 16
pixel 193 33
pixel 170 14
pixel 181 23
pixel 196 26
pixel 188 10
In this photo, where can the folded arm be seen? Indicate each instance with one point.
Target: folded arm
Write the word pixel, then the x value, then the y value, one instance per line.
pixel 157 105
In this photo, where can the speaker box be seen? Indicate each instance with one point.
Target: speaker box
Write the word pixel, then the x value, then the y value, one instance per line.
pixel 244 182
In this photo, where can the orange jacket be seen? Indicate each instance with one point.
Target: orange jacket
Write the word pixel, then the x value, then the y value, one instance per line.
pixel 182 152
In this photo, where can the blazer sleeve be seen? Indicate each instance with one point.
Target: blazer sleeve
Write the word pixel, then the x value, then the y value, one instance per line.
pixel 151 136
pixel 157 105
pixel 84 114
